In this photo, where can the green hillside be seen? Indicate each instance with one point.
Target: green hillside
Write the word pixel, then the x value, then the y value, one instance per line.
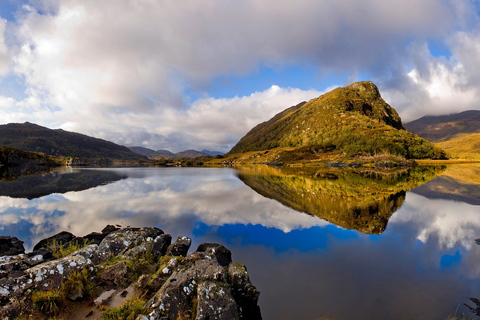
pixel 354 121
pixel 31 137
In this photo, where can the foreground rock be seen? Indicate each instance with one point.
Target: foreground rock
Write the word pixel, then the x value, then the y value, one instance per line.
pixel 204 284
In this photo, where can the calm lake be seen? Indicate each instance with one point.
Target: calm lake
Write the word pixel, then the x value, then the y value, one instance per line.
pixel 318 243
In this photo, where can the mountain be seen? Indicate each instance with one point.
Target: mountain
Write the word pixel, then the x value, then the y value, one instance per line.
pixel 144 151
pixel 212 153
pixel 443 128
pixel 352 121
pixel 32 137
pixel 190 154
pixel 165 154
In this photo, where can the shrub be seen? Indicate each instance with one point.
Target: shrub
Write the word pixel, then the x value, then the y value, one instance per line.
pixel 79 283
pixel 60 250
pixel 48 302
pixel 129 310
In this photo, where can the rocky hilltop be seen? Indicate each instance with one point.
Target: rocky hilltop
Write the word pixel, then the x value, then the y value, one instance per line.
pixel 130 273
pixel 31 137
pixel 352 121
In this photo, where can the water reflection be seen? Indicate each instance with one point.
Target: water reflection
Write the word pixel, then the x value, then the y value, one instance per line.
pixel 459 182
pixel 359 199
pixel 57 181
pixel 423 265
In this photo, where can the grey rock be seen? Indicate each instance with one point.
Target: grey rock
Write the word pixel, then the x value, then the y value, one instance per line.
pixel 244 292
pixel 161 244
pixel 121 241
pixel 51 274
pixel 215 285
pixel 114 275
pixel 223 255
pixel 179 247
pixel 215 301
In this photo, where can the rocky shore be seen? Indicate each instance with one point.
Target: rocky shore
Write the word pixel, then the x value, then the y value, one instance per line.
pixel 123 273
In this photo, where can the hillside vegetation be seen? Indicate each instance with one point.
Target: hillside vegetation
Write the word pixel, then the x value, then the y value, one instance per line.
pixel 353 121
pixel 32 137
pixel 462 147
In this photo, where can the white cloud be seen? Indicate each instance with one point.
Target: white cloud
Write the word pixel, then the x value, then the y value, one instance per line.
pixel 118 69
pixel 439 221
pixel 154 198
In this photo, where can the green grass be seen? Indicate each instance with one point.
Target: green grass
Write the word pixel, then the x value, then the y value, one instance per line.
pixel 80 281
pixel 48 302
pixel 60 250
pixel 129 310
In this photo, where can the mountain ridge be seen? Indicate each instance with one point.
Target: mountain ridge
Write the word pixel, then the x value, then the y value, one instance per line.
pixel 445 127
pixel 58 142
pixel 166 154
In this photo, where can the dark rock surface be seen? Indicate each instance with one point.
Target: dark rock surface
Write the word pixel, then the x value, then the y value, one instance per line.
pixel 10 246
pixel 179 247
pixel 204 284
pixel 61 237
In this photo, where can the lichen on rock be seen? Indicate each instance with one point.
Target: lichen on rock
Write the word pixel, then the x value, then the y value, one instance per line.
pixel 204 284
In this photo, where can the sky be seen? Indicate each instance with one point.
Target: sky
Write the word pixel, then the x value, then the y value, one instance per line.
pixel 199 74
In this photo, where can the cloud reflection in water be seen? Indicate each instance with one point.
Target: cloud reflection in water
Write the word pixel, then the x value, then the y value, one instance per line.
pixel 423 265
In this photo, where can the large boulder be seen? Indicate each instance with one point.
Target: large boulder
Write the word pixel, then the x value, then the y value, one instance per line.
pixel 180 247
pixel 129 241
pixel 60 238
pixel 205 277
pixel 10 246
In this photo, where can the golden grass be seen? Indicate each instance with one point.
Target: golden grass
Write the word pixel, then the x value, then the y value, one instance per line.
pixel 466 147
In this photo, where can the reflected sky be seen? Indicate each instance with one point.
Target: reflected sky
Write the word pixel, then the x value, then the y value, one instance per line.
pixel 423 265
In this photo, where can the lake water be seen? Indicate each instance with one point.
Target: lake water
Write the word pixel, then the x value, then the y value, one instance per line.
pixel 318 244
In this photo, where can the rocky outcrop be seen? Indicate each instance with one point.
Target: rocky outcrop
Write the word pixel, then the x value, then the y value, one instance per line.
pixel 10 246
pixel 204 284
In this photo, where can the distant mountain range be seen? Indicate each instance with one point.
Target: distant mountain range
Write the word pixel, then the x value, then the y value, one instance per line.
pixel 31 137
pixel 458 134
pixel 443 128
pixel 165 154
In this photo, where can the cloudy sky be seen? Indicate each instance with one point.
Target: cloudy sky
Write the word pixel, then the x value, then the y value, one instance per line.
pixel 201 73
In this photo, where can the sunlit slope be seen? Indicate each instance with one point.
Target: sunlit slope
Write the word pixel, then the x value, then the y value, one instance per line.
pixel 354 120
pixel 352 199
pixel 462 147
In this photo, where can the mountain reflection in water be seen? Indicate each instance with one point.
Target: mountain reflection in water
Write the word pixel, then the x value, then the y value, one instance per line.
pixel 359 199
pixel 57 181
